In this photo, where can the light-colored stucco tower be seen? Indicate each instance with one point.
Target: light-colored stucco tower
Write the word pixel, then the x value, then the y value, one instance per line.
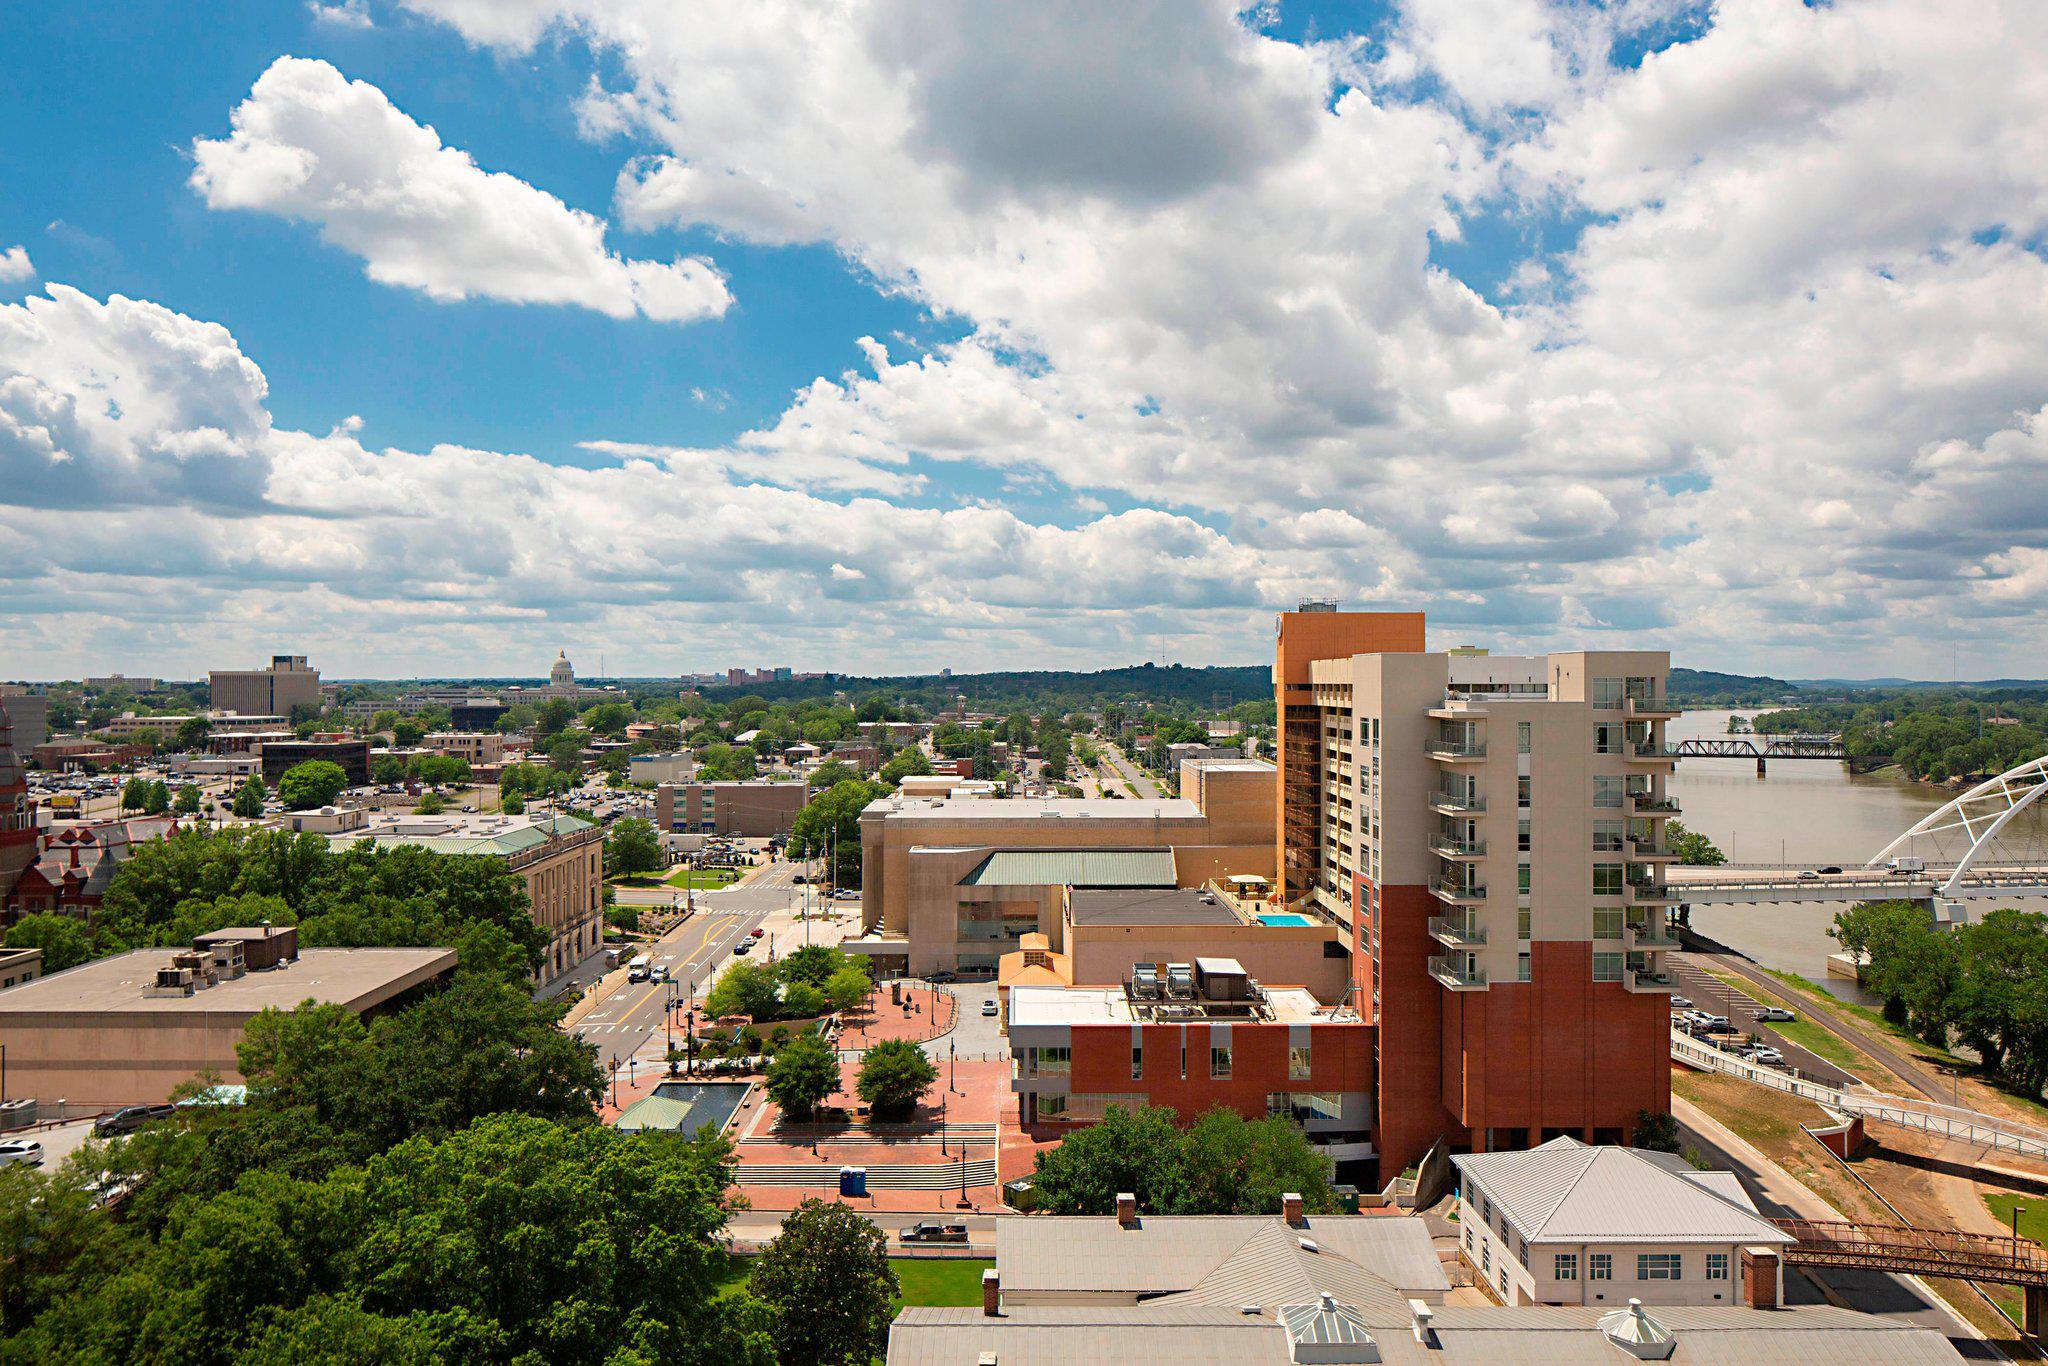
pixel 1489 835
pixel 17 813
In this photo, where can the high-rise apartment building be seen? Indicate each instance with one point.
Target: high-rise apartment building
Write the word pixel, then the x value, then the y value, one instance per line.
pixel 1488 834
pixel 274 691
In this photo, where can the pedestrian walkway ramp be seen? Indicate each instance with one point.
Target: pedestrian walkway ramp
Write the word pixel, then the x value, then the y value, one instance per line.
pixel 1926 1116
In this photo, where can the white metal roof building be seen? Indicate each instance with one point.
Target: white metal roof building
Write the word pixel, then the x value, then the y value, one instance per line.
pixel 1565 1223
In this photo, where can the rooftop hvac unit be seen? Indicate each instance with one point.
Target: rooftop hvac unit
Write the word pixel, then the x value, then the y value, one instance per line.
pixel 1180 980
pixel 1145 982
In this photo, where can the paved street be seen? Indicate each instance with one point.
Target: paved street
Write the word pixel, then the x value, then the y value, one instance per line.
pixel 1130 771
pixel 693 952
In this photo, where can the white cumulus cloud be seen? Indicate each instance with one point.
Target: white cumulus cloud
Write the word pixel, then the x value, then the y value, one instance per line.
pixel 313 146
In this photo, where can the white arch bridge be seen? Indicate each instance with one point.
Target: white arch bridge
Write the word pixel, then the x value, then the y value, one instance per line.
pixel 1946 858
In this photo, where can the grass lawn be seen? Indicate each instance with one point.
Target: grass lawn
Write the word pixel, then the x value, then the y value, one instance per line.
pixel 936 1281
pixel 940 1281
pixel 702 879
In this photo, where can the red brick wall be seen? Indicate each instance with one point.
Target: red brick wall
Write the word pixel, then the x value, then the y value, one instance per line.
pixel 1339 1060
pixel 1412 1073
pixel 1560 1051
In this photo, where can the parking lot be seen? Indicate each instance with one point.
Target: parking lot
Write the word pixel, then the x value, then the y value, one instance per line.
pixel 1710 994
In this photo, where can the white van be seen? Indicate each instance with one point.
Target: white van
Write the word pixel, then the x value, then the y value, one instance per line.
pixel 639 969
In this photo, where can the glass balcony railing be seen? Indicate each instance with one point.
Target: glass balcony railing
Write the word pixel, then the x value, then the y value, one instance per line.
pixel 1451 890
pixel 1457 801
pixel 1451 747
pixel 1457 930
pixel 1648 804
pixel 1444 846
pixel 1652 706
pixel 1457 973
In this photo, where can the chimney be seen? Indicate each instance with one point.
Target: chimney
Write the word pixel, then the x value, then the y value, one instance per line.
pixel 1290 1210
pixel 1760 1277
pixel 1421 1314
pixel 991 1293
pixel 1127 1209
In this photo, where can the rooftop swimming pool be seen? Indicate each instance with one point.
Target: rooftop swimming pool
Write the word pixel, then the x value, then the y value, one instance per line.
pixel 1284 918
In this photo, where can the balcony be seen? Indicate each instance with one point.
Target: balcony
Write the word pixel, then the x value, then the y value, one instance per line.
pixel 1456 804
pixel 1458 893
pixel 1453 750
pixel 1647 893
pixel 1650 850
pixel 1646 980
pixel 1455 972
pixel 1649 804
pixel 1650 752
pixel 1651 706
pixel 1443 846
pixel 1648 935
pixel 1460 932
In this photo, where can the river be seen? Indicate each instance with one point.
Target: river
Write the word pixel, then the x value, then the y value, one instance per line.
pixel 1807 812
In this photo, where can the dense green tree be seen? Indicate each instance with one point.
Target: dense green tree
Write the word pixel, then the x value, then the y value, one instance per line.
pixel 804 1073
pixel 62 938
pixel 608 718
pixel 1234 1165
pixel 847 987
pixel 1692 847
pixel 744 988
pixel 631 846
pixel 830 822
pixel 827 1275
pixel 813 963
pixel 894 1076
pixel 192 733
pixel 1655 1131
pixel 134 793
pixel 1139 1150
pixel 316 782
pixel 249 799
pixel 910 761
pixel 831 773
pixel 553 717
pixel 441 769
pixel 722 763
pixel 156 798
pixel 387 768
pixel 187 801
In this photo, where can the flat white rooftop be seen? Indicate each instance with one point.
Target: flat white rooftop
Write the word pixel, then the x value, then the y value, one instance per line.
pixel 1031 1006
pixel 1039 808
pixel 359 978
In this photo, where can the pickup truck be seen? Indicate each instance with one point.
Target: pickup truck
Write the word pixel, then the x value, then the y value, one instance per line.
pixel 929 1232
pixel 129 1118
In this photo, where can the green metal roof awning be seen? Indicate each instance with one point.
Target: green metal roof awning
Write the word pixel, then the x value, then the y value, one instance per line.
pixel 1073 868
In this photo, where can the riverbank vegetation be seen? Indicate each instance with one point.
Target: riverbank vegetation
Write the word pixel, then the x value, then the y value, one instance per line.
pixel 1982 986
pixel 1931 734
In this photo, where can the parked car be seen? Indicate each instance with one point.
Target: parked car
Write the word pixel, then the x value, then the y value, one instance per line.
pixel 988 1007
pixel 23 1150
pixel 1716 1022
pixel 934 1233
pixel 1681 1003
pixel 1777 1013
pixel 744 946
pixel 941 976
pixel 129 1118
pixel 756 932
pixel 1768 1057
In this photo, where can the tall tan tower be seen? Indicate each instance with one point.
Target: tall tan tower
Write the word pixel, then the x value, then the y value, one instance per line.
pixel 17 813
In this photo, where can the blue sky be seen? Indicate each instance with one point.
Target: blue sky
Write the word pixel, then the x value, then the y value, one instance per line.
pixel 1501 309
pixel 94 152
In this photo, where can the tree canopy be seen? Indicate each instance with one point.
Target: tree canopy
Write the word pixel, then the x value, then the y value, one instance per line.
pixel 1221 1164
pixel 827 1277
pixel 894 1076
pixel 316 782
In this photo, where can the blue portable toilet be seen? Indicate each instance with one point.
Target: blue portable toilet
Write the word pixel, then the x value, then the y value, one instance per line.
pixel 853 1180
